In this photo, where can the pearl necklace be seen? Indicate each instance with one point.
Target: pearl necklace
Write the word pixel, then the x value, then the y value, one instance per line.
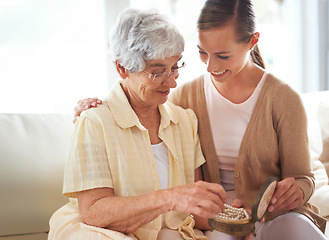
pixel 233 213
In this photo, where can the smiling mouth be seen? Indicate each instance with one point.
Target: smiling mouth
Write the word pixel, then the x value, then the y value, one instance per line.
pixel 219 73
pixel 164 92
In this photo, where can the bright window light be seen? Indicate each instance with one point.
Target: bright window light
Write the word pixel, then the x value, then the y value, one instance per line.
pixel 52 53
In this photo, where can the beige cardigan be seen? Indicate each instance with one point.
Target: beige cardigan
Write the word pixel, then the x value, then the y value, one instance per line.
pixel 275 142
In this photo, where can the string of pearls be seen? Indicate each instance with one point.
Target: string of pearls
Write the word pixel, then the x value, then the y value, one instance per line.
pixel 233 213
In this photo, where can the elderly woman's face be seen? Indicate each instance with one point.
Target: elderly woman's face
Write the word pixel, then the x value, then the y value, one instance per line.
pixel 146 92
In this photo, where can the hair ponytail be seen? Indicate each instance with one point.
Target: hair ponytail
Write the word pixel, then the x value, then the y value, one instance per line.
pixel 257 57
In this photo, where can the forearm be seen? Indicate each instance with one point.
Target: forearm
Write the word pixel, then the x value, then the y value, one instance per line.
pixel 100 208
pixel 127 214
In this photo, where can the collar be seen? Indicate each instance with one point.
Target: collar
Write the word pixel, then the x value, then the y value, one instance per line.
pixel 126 117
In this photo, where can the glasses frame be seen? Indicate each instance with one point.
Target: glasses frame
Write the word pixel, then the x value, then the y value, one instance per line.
pixel 152 76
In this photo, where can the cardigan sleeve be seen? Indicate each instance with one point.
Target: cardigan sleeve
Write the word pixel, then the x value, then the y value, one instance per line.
pixel 293 141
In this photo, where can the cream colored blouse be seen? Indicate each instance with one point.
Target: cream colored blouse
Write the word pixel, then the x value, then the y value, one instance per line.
pixel 111 148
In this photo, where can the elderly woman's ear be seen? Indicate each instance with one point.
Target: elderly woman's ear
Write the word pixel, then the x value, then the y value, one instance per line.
pixel 123 72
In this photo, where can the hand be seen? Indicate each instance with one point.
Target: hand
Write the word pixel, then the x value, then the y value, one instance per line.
pixel 84 105
pixel 288 195
pixel 201 198
pixel 238 203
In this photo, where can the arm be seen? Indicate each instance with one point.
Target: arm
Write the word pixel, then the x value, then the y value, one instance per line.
pixel 101 208
pixel 297 185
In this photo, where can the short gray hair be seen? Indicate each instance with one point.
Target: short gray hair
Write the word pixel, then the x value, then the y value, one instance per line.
pixel 141 35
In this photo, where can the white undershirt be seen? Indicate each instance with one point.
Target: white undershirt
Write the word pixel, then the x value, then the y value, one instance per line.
pixel 161 157
pixel 228 123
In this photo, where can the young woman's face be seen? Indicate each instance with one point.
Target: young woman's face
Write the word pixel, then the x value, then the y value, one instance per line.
pixel 144 91
pixel 220 51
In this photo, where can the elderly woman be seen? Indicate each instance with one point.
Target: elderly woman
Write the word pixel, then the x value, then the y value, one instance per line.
pixel 133 161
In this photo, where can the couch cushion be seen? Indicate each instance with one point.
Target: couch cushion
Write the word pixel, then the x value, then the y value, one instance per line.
pixel 320 197
pixel 35 236
pixel 33 153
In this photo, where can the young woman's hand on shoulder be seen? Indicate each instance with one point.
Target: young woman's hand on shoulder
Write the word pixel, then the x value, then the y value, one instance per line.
pixel 85 104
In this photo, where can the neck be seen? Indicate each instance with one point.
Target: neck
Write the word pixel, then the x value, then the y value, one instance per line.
pixel 240 87
pixel 141 109
pixel 248 77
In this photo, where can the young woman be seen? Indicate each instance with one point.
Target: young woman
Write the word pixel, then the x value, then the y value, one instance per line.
pixel 251 124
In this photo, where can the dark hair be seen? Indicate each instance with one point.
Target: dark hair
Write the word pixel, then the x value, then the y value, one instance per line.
pixel 217 13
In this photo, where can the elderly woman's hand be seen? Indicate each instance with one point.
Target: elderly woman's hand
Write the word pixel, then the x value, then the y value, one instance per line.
pixel 201 198
pixel 288 195
pixel 84 105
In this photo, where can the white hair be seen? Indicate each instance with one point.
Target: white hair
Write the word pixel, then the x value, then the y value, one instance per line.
pixel 141 35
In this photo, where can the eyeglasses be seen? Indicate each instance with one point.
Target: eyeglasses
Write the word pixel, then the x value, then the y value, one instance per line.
pixel 160 77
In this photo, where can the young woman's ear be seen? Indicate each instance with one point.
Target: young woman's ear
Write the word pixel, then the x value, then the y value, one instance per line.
pixel 254 39
pixel 121 70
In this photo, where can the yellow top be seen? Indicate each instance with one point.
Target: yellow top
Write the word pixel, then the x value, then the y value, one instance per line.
pixel 111 148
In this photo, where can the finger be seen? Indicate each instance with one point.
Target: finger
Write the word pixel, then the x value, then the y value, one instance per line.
pixel 87 101
pixel 207 208
pixel 262 220
pixel 281 188
pixel 238 203
pixel 201 212
pixel 285 195
pixel 75 119
pixel 215 188
pixel 209 196
pixel 77 111
pixel 98 101
pixel 291 202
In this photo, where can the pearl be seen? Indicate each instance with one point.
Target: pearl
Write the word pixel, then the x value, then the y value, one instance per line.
pixel 233 213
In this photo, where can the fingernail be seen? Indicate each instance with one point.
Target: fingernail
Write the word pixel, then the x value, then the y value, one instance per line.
pixel 271 208
pixel 99 101
pixel 273 200
pixel 86 107
pixel 93 104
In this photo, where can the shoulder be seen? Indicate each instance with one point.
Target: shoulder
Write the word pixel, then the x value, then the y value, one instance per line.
pixel 275 85
pixel 283 98
pixel 184 117
pixel 279 90
pixel 97 115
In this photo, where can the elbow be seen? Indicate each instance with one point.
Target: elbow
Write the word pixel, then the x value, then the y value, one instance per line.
pixel 98 221
pixel 92 220
pixel 131 229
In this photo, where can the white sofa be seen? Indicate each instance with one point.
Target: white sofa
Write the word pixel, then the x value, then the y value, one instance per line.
pixel 33 152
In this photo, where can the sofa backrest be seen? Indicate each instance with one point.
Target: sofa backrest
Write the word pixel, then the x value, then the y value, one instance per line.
pixel 317 109
pixel 33 153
